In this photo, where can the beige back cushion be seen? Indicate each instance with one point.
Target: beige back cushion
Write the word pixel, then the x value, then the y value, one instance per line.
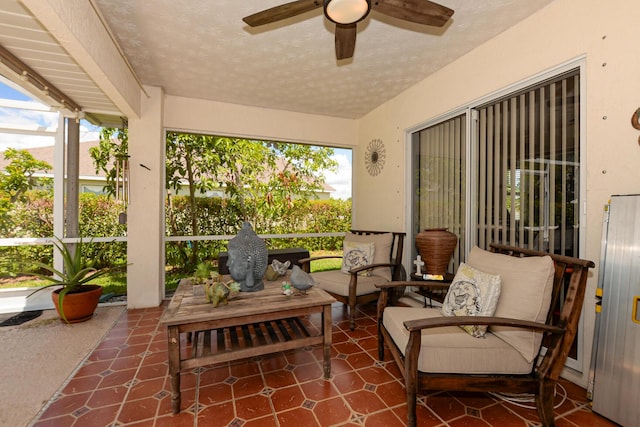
pixel 526 288
pixel 382 243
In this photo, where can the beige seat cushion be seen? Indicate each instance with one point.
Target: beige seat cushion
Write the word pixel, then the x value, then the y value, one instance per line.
pixel 451 349
pixel 336 282
pixel 525 293
pixel 382 243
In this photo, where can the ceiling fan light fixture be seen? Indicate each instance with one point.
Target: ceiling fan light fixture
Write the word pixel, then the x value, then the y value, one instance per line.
pixel 346 11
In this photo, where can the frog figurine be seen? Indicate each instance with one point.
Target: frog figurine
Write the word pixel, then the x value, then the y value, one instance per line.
pixel 286 289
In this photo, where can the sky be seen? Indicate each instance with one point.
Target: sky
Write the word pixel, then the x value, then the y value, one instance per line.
pixel 39 119
pixel 341 180
pixel 48 121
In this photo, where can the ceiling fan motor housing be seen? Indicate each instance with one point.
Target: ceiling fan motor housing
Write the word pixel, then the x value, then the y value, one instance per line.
pixel 346 11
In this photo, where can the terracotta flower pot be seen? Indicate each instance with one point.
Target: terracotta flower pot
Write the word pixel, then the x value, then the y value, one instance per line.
pixel 436 245
pixel 78 305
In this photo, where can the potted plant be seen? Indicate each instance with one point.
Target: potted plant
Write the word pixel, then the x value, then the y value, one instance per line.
pixel 202 273
pixel 77 299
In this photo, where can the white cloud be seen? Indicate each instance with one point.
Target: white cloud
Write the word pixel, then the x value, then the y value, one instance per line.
pixel 341 180
pixel 29 118
pixel 36 121
pixel 26 120
pixel 23 141
pixel 89 132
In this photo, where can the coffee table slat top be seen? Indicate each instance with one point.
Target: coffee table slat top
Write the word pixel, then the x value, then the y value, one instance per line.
pixel 186 308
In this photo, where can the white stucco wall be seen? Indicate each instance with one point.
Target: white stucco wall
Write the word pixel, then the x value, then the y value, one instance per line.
pixel 605 34
pixel 196 115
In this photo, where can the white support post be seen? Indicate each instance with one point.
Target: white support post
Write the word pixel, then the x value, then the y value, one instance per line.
pixel 59 169
pixel 145 212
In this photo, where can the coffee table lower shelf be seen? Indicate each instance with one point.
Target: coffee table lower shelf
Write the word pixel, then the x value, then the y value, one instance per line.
pixel 245 341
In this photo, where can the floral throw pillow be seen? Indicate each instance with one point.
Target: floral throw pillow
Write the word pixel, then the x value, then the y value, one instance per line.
pixel 357 254
pixel 472 293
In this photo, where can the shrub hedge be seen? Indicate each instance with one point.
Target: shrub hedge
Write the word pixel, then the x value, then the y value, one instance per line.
pixel 99 218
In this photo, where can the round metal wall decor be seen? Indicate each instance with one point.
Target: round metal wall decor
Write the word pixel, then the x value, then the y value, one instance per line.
pixel 374 158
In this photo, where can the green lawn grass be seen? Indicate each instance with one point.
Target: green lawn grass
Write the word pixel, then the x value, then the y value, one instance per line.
pixel 326 264
pixel 115 283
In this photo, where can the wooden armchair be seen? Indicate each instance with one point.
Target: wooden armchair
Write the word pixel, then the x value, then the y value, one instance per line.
pixel 358 285
pixel 435 353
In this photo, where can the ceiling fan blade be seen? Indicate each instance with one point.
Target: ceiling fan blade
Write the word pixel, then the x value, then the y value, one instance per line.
pixel 419 11
pixel 345 40
pixel 281 12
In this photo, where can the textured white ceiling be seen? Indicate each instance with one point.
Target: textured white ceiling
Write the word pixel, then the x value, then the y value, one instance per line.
pixel 202 49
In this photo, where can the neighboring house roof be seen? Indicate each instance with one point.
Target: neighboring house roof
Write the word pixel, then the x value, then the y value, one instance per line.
pixel 86 168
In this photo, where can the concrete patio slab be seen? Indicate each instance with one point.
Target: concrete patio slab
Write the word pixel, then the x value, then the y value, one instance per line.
pixel 39 356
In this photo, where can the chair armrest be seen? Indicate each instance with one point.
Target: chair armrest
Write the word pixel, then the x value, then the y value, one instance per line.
pixel 416 283
pixel 357 270
pixel 387 298
pixel 437 322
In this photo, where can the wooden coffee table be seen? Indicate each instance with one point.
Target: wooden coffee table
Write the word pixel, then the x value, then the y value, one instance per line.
pixel 252 324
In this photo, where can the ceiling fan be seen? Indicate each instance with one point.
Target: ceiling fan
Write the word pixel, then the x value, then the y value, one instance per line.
pixel 347 13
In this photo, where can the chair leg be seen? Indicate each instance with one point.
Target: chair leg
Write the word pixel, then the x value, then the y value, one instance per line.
pixel 544 402
pixel 352 316
pixel 411 409
pixel 411 375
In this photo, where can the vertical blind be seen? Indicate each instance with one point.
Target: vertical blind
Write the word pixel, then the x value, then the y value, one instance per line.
pixel 439 183
pixel 527 174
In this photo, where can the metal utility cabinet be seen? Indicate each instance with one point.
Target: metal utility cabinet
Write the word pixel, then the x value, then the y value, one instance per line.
pixel 616 362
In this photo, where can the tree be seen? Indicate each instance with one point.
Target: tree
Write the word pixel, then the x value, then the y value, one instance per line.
pixel 19 177
pixel 289 171
pixel 261 177
pixel 113 142
pixel 264 177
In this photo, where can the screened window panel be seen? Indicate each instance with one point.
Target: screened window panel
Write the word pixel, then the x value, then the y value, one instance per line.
pixel 439 183
pixel 527 179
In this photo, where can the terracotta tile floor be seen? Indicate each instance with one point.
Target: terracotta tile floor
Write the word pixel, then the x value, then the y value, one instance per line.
pixel 124 382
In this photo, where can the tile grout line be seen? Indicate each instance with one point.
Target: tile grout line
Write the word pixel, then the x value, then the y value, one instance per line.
pixel 133 380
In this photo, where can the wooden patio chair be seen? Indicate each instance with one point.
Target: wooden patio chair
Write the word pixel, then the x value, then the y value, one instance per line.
pixel 357 285
pixel 435 353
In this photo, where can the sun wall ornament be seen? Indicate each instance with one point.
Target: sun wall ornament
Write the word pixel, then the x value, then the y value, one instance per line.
pixel 635 121
pixel 374 158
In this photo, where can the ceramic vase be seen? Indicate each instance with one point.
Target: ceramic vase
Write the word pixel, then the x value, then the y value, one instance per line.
pixel 436 245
